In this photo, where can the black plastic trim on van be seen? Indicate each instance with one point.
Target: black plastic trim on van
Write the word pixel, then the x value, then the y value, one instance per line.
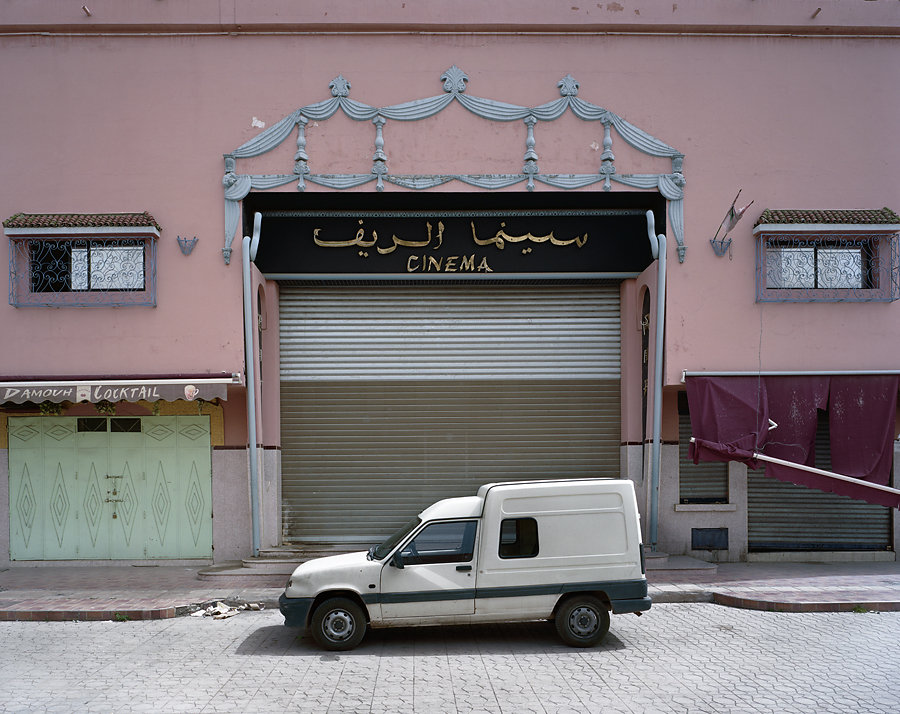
pixel 617 591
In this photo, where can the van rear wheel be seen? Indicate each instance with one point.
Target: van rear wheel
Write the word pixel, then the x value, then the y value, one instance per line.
pixel 582 621
pixel 338 624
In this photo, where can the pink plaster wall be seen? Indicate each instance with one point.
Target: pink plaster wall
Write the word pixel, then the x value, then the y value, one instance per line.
pixel 132 123
pixel 460 15
pixel 112 126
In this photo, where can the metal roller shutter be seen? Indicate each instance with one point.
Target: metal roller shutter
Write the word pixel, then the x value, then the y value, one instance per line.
pixel 394 397
pixel 704 482
pixel 375 333
pixel 783 516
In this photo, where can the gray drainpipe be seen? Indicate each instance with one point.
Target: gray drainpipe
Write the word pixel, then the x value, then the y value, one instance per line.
pixel 249 247
pixel 658 249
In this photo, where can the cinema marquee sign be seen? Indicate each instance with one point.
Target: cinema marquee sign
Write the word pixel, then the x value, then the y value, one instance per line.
pixel 476 242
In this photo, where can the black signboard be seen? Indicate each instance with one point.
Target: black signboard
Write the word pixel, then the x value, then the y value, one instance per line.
pixel 454 243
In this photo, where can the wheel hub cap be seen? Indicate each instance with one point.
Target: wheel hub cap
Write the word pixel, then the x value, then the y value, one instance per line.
pixel 584 621
pixel 338 625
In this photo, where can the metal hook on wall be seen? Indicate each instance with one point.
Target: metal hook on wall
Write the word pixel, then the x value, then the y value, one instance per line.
pixel 187 244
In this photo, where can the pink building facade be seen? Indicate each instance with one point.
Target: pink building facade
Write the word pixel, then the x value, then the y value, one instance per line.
pixel 483 252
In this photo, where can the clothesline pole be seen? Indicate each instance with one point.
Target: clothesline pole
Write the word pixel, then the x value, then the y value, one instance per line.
pixel 821 472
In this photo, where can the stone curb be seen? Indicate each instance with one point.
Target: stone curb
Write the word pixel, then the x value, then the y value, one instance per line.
pixel 810 605
pixel 811 602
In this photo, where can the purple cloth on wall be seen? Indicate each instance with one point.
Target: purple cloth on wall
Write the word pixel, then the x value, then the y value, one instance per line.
pixel 793 405
pixel 730 411
pixel 729 419
pixel 861 417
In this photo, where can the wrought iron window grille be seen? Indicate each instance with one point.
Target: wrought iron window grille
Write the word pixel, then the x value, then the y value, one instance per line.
pixel 827 267
pixel 82 271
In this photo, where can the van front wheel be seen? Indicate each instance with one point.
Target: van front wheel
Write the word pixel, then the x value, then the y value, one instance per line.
pixel 582 621
pixel 338 624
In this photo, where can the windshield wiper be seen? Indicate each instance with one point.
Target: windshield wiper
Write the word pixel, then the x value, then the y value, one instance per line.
pixel 371 554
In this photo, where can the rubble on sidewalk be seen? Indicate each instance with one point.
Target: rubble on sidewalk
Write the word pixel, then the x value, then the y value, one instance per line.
pixel 221 610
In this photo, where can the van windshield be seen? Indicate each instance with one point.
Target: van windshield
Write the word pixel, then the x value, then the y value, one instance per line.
pixel 381 551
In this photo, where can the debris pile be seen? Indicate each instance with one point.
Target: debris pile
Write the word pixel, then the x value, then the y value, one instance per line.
pixel 220 610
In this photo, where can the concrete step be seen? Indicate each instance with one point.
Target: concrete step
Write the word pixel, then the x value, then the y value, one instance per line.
pixel 681 568
pixel 274 565
pixel 248 577
pixel 279 561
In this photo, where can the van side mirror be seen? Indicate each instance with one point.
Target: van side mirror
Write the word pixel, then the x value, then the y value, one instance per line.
pixel 397 560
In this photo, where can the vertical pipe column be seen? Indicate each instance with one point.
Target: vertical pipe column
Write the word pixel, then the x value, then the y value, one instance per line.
pixel 658 249
pixel 248 253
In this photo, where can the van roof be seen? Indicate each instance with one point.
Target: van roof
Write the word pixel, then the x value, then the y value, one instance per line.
pixel 462 507
pixel 482 492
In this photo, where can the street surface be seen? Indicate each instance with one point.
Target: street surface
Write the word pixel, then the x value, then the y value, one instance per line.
pixel 676 658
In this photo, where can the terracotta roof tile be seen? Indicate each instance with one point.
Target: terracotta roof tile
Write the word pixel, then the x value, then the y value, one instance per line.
pixel 81 220
pixel 788 216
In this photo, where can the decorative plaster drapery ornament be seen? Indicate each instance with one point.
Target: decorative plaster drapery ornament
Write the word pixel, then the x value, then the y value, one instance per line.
pixel 454 81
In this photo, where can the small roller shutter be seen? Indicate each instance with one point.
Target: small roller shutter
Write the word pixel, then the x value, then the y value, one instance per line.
pixel 394 397
pixel 704 482
pixel 784 517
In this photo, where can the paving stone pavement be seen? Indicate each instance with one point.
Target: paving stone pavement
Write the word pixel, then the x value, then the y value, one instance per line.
pixel 694 658
pixel 143 592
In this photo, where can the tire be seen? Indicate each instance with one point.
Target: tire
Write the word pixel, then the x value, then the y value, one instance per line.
pixel 582 621
pixel 338 624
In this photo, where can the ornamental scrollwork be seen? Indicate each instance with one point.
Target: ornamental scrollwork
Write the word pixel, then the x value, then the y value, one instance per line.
pixel 568 86
pixel 340 87
pixel 454 80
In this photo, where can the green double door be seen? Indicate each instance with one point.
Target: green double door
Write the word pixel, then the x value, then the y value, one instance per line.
pixel 110 488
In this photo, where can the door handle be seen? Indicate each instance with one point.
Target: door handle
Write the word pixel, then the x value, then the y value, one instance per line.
pixel 463 568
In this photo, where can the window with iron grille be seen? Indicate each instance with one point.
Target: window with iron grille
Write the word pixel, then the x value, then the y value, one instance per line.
pixel 84 263
pixel 824 261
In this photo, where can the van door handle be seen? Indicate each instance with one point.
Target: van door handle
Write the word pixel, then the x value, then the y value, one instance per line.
pixel 463 568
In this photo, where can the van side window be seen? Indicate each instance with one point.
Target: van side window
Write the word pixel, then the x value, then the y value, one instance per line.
pixel 449 542
pixel 518 538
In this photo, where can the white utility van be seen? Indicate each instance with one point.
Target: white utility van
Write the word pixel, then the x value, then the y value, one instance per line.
pixel 564 550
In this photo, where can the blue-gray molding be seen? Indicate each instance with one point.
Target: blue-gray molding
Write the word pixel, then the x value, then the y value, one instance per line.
pixel 670 185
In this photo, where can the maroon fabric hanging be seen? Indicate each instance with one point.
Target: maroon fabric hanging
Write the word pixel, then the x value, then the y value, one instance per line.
pixel 730 418
pixel 793 405
pixel 861 414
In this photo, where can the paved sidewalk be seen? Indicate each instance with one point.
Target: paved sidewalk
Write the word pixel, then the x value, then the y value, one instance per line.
pixel 158 592
pixel 788 587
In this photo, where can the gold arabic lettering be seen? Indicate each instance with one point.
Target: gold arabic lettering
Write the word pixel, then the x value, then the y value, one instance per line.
pixel 360 240
pixel 501 238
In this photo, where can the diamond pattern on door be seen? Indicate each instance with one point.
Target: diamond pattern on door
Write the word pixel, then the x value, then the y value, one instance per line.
pixel 59 432
pixel 127 508
pixel 109 494
pixel 93 506
pixel 59 505
pixel 26 505
pixel 193 432
pixel 194 503
pixel 24 434
pixel 159 432
pixel 161 504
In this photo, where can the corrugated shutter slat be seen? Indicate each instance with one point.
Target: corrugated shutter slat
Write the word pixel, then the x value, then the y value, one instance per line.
pixel 394 397
pixel 784 516
pixel 495 332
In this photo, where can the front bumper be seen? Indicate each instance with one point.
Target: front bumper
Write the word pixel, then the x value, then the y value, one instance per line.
pixel 294 609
